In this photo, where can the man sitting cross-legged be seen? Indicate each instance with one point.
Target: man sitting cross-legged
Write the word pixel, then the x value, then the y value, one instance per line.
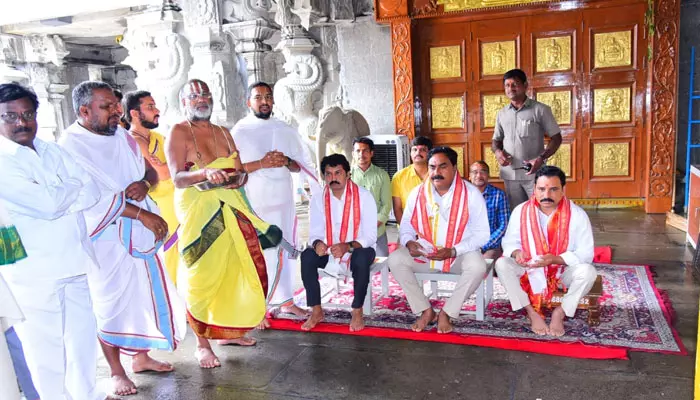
pixel 548 241
pixel 443 228
pixel 342 228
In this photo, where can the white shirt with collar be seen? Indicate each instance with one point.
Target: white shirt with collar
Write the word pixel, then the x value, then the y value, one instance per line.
pixel 477 231
pixel 581 247
pixel 45 192
pixel 366 235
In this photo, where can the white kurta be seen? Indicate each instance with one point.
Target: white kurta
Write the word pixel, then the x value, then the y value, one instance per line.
pixel 271 193
pixel 136 304
pixel 10 314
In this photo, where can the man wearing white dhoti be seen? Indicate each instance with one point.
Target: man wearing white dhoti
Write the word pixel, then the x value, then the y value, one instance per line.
pixel 45 194
pixel 271 150
pixel 549 241
pixel 135 302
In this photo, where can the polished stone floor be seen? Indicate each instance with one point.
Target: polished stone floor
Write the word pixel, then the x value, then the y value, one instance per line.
pixel 287 365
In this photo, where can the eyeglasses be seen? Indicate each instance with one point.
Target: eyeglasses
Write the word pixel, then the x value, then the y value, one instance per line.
pixel 195 96
pixel 13 117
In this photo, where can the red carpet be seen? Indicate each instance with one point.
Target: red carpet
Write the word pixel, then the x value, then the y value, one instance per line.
pixel 634 317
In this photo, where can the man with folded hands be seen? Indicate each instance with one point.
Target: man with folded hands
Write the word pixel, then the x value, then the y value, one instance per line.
pixel 443 228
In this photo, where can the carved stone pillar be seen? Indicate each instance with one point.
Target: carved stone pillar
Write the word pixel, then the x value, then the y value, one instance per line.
pixel 249 37
pixel 215 60
pixel 160 55
pixel 294 94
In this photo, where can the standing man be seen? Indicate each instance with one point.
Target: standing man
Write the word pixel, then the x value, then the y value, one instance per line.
pixel 142 115
pixel 496 205
pixel 518 138
pixel 347 242
pixel 45 193
pixel 221 240
pixel 443 230
pixel 135 301
pixel 549 241
pixel 408 178
pixel 377 181
pixel 270 151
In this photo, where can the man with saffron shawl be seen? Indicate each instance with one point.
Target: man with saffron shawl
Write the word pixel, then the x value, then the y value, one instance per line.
pixel 142 115
pixel 134 300
pixel 443 228
pixel 220 239
pixel 548 242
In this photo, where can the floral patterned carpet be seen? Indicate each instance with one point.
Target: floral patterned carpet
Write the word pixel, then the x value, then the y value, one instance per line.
pixel 634 315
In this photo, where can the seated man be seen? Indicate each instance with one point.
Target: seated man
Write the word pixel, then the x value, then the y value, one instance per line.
pixel 555 246
pixel 443 229
pixel 333 233
pixel 497 206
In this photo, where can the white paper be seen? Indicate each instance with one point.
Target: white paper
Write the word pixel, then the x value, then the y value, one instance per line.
pixel 337 267
pixel 538 280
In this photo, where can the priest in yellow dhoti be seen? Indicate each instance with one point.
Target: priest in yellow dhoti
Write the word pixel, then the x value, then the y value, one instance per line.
pixel 142 114
pixel 220 239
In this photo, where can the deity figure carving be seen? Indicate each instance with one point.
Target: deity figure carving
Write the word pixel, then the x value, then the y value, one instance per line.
pixel 245 10
pixel 611 108
pixel 611 159
pixel 491 105
pixel 553 55
pixel 498 58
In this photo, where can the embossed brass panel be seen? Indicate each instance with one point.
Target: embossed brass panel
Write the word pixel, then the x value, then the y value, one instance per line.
pixel 460 160
pixel 491 104
pixel 497 58
pixel 445 62
pixel 560 103
pixel 553 54
pixel 612 105
pixel 611 159
pixel 612 49
pixel 448 112
pixel 562 158
pixel 459 5
pixel 490 159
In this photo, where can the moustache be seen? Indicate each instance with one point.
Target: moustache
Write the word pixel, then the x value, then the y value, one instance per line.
pixel 546 200
pixel 23 129
pixel 437 177
pixel 334 182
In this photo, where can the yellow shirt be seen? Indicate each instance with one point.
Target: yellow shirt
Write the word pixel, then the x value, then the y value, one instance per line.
pixel 403 182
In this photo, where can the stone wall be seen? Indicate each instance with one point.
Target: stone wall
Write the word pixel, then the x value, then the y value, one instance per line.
pixel 364 52
pixel 690 36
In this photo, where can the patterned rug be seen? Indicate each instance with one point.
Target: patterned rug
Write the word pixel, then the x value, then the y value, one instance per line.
pixel 633 316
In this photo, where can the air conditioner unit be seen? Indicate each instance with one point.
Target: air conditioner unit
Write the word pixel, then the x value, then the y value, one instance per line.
pixel 391 152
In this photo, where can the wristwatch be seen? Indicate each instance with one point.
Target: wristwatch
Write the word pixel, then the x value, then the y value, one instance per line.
pixel 350 247
pixel 148 184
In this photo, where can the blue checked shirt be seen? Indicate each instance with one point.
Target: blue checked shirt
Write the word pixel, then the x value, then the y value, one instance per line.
pixel 499 212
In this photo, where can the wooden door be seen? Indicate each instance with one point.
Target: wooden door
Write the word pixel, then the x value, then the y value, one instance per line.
pixel 614 65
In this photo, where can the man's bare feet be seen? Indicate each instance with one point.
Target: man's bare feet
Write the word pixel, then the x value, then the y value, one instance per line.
pixel 143 362
pixel 556 325
pixel 241 341
pixel 314 319
pixel 357 323
pixel 206 358
pixel 264 324
pixel 294 309
pixel 426 317
pixel 123 386
pixel 537 323
pixel 444 323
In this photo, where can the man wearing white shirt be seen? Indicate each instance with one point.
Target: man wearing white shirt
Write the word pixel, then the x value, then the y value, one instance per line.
pixel 46 193
pixel 444 225
pixel 555 247
pixel 342 228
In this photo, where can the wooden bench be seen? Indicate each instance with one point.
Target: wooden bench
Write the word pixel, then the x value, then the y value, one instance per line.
pixel 380 265
pixel 588 302
pixel 484 292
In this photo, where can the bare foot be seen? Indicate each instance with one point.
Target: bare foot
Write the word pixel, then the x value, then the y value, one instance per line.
pixel 143 362
pixel 264 324
pixel 537 323
pixel 294 309
pixel 444 324
pixel 425 319
pixel 241 341
pixel 314 319
pixel 357 323
pixel 556 325
pixel 123 386
pixel 206 357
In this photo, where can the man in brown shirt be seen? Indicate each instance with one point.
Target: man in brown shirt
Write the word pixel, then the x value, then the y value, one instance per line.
pixel 518 138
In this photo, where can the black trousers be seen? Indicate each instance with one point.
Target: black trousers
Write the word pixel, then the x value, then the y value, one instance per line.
pixel 360 262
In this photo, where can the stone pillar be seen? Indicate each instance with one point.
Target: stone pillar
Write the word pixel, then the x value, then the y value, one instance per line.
pixel 249 37
pixel 160 55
